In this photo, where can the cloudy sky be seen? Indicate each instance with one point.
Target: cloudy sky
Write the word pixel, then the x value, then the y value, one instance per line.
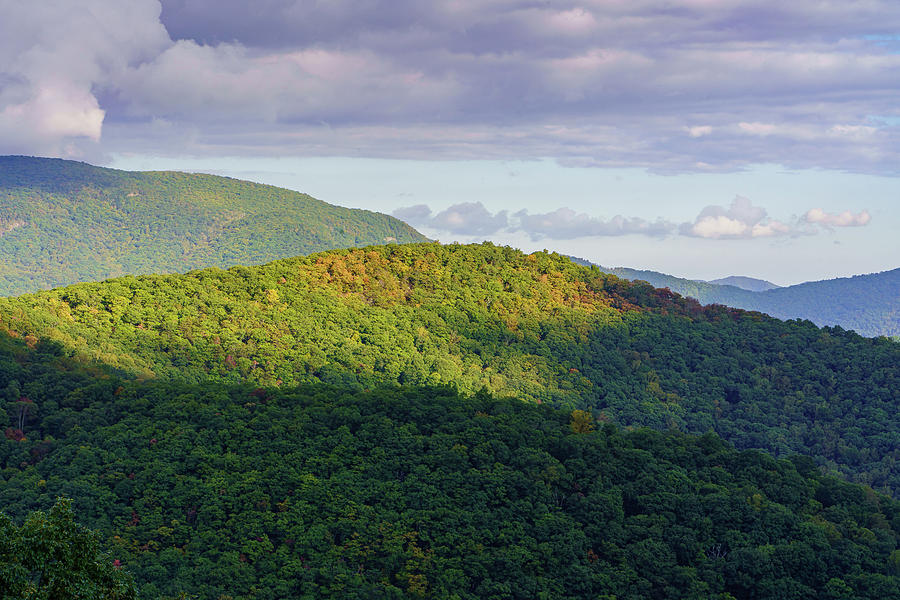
pixel 699 137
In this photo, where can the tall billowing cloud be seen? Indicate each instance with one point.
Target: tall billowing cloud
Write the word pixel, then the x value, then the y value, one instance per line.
pixel 56 57
pixel 670 86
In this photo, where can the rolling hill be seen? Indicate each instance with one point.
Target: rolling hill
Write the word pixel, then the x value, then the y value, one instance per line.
pixel 351 424
pixel 867 304
pixel 63 222
pixel 536 327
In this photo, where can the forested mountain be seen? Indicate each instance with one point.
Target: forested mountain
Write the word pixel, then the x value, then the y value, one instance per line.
pixel 339 425
pixel 537 327
pixel 62 222
pixel 867 304
pixel 746 283
pixel 237 491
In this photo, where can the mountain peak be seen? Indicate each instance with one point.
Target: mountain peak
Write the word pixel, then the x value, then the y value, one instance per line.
pixel 751 284
pixel 63 221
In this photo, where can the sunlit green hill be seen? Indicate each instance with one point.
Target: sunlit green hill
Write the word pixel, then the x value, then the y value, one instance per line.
pixel 62 222
pixel 536 327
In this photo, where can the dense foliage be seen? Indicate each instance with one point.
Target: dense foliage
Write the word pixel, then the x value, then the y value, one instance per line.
pixel 867 304
pixel 537 327
pixel 50 557
pixel 232 491
pixel 62 222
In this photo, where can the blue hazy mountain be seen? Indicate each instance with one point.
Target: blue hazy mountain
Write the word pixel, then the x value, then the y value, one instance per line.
pixel 868 304
pixel 751 284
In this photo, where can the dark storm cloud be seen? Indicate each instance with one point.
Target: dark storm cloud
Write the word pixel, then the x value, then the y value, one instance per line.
pixel 691 85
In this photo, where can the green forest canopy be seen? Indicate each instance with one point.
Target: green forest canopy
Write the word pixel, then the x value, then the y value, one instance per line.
pixel 236 491
pixel 537 327
pixel 51 556
pixel 63 222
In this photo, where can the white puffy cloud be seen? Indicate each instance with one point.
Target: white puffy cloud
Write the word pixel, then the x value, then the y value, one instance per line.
pixel 719 226
pixel 843 219
pixel 699 130
pixel 741 219
pixel 770 228
pixel 50 111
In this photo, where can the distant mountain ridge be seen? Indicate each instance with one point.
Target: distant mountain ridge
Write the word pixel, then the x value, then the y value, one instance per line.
pixel 62 222
pixel 750 284
pixel 868 304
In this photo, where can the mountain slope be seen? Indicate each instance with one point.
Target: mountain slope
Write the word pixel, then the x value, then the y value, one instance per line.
pixel 867 304
pixel 240 491
pixel 63 222
pixel 751 284
pixel 536 326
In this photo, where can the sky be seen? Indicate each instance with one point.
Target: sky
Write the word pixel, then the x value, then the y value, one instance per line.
pixel 702 138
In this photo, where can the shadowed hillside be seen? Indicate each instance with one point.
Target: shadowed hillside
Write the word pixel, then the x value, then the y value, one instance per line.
pixel 240 491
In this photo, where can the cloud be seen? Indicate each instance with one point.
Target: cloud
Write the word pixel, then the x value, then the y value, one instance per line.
pixel 417 216
pixel 55 58
pixel 844 219
pixel 742 220
pixel 699 130
pixel 291 89
pixel 718 226
pixel 739 220
pixel 692 86
pixel 466 218
pixel 566 224
pixel 472 218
